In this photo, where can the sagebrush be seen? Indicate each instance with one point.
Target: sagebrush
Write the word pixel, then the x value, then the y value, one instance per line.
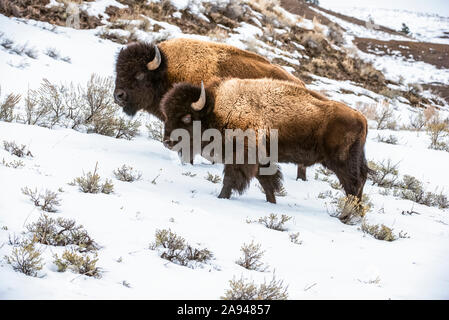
pixel 242 289
pixel 174 248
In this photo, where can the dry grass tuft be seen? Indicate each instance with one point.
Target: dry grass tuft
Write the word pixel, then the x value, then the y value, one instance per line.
pixel 251 257
pixel 243 289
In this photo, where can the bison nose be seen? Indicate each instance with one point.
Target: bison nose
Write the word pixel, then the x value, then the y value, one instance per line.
pixel 120 96
pixel 168 143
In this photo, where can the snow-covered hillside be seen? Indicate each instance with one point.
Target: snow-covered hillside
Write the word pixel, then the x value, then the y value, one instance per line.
pixel 330 260
pixel 423 26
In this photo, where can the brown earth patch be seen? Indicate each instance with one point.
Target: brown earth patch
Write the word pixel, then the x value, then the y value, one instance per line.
pixel 438 88
pixel 36 10
pixel 188 23
pixel 302 9
pixel 359 22
pixel 326 61
pixel 433 53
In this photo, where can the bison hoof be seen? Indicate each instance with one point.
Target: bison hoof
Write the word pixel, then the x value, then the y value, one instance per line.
pixel 223 195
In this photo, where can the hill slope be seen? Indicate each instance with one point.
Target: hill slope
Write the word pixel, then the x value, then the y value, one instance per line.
pixel 329 260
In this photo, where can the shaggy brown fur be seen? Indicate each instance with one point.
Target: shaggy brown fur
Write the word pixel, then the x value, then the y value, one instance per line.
pixel 184 60
pixel 311 130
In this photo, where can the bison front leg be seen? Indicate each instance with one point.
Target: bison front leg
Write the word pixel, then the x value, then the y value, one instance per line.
pixel 236 177
pixel 271 184
pixel 301 173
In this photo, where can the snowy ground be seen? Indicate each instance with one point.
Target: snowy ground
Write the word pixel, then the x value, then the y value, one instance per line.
pixel 396 68
pixel 423 26
pixel 339 258
pixel 334 261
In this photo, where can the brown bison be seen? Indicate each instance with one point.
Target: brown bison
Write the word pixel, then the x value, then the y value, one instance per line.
pixel 145 72
pixel 310 130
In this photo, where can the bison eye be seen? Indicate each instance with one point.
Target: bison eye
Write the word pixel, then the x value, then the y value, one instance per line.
pixel 187 118
pixel 140 75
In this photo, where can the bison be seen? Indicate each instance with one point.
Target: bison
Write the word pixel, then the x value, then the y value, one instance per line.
pixel 145 72
pixel 310 130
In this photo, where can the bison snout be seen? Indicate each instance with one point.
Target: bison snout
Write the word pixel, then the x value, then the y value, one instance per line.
pixel 120 96
pixel 168 143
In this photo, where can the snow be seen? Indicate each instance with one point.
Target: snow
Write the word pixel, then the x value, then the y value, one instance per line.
pixel 355 30
pixel 98 7
pixel 393 67
pixel 339 258
pixel 334 261
pixel 78 45
pixel 423 26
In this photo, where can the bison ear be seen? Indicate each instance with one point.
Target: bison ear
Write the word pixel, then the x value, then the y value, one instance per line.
pixel 187 118
pixel 156 62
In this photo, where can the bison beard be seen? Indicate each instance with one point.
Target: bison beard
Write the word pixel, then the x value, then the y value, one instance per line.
pixel 316 131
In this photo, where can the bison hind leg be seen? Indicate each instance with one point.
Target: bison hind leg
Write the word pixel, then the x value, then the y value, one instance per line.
pixel 236 178
pixel 271 184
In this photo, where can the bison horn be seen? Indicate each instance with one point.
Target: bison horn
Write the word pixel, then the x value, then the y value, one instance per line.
pixel 155 63
pixel 199 105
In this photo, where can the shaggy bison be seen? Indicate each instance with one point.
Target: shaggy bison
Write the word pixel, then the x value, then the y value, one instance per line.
pixel 145 72
pixel 310 130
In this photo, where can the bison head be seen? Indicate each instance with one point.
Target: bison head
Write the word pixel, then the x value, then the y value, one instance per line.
pixel 141 78
pixel 182 105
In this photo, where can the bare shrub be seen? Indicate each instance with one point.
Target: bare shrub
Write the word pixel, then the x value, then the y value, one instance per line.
pixel 61 232
pixel 274 221
pixel 189 174
pixel 323 171
pixel 25 258
pixel 99 113
pixel 214 178
pixel 89 108
pixel 174 248
pixel 325 194
pixel 84 264
pixel 367 109
pixel 15 150
pixel 47 201
pixel 350 209
pixel 243 289
pixel 410 188
pixel 34 113
pixel 52 53
pixel 438 129
pixel 384 174
pixel 90 183
pixel 391 139
pixel 16 164
pixel 7 106
pixel 380 232
pixel 294 238
pixel 155 130
pixel 417 121
pixel 251 257
pixel 127 174
pixel 385 117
